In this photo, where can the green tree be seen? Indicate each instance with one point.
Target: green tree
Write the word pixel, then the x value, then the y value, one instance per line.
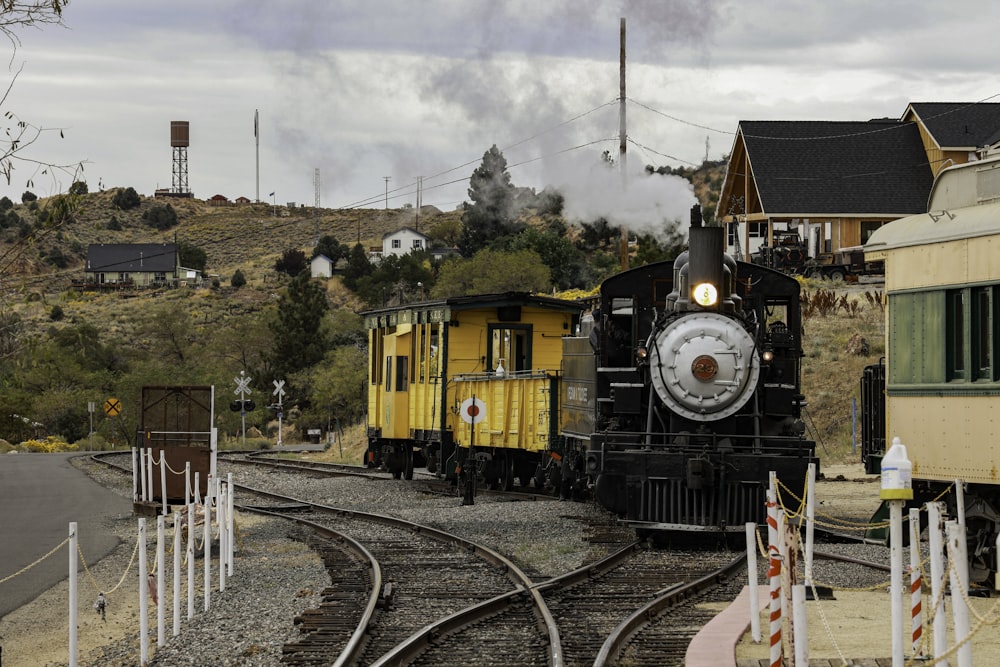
pixel 358 266
pixel 238 280
pixel 160 216
pixel 125 198
pixel 28 196
pixel 299 339
pixel 491 213
pixel 339 384
pixel 568 266
pixel 331 247
pixel 191 256
pixel 78 188
pixel 292 262
pixel 491 271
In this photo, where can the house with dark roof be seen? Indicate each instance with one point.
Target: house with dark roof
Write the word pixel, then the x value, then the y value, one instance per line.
pixel 127 265
pixel 836 182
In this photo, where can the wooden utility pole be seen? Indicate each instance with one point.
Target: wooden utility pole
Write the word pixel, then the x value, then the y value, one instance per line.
pixel 622 164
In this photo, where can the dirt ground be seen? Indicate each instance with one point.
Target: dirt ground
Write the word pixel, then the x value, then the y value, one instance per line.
pixel 855 625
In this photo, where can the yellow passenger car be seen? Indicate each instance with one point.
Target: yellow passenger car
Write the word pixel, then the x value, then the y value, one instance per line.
pixel 427 358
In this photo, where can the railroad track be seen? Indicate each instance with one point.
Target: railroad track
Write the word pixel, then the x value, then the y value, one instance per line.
pixel 418 573
pixel 437 600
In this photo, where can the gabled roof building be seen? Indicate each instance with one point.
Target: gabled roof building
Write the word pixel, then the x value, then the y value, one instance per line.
pixel 132 264
pixel 836 182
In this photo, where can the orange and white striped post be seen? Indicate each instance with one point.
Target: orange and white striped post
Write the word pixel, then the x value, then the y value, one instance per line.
pixel 774 571
pixel 916 583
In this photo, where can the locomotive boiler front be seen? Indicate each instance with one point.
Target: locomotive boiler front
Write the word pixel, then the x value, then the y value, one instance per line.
pixel 703 366
pixel 702 361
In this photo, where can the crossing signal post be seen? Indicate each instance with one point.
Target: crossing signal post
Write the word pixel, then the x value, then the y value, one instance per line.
pixel 243 390
pixel 279 391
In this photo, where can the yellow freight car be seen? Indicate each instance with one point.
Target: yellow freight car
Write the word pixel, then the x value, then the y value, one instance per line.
pixel 426 359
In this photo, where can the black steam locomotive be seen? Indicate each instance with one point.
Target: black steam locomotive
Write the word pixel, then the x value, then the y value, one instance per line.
pixel 684 394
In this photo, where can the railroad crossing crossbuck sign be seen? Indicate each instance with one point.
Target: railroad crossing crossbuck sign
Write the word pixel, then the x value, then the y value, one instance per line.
pixel 112 407
pixel 473 410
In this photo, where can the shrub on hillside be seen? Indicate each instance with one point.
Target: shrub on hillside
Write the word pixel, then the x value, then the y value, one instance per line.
pixel 78 188
pixel 125 198
pixel 160 216
pixel 238 280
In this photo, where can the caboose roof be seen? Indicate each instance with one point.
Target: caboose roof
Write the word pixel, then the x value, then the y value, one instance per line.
pixel 480 301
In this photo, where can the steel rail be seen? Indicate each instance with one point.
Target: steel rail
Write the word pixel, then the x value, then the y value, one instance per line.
pixel 512 571
pixel 666 598
pixel 356 643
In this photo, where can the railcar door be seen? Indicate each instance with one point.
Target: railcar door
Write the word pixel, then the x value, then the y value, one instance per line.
pixel 395 385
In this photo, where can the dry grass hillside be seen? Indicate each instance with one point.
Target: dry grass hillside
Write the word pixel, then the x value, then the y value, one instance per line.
pixel 252 237
pixel 249 237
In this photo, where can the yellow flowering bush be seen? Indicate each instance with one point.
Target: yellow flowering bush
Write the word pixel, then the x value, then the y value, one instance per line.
pixel 51 444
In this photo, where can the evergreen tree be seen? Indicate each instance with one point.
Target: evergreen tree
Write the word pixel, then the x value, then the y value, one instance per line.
pixel 491 213
pixel 299 341
pixel 358 267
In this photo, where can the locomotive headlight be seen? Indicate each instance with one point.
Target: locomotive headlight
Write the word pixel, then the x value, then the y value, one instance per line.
pixel 705 294
pixel 767 356
pixel 642 353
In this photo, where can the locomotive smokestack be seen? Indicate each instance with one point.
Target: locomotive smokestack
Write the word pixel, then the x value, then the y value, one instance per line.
pixel 696 216
pixel 705 255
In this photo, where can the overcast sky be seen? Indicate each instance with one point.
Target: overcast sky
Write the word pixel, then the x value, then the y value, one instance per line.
pixel 374 88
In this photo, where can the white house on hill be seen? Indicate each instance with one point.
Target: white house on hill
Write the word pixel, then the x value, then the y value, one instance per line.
pixel 403 241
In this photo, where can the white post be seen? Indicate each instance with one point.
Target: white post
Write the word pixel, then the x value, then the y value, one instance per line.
pixel 896 578
pixel 220 505
pixel 774 572
pixel 960 501
pixel 232 523
pixel 150 460
pixel 959 573
pixel 800 627
pixel 207 546
pixel 161 602
pixel 935 539
pixel 135 475
pixel 190 559
pixel 751 529
pixel 197 488
pixel 177 573
pixel 163 480
pixel 187 483
pixel 916 583
pixel 810 522
pixel 73 594
pixel 143 601
pixel 142 473
pixel 213 459
pixel 896 489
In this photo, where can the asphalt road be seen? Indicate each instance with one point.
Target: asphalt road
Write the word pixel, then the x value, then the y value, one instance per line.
pixel 40 494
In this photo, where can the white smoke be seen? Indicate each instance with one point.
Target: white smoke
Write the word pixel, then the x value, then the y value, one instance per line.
pixel 643 202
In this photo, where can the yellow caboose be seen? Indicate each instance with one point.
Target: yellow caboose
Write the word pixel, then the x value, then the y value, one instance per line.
pixel 426 359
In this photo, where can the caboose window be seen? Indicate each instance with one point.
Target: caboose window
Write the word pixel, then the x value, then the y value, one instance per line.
pixel 402 366
pixel 512 345
pixel 388 373
pixel 956 335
